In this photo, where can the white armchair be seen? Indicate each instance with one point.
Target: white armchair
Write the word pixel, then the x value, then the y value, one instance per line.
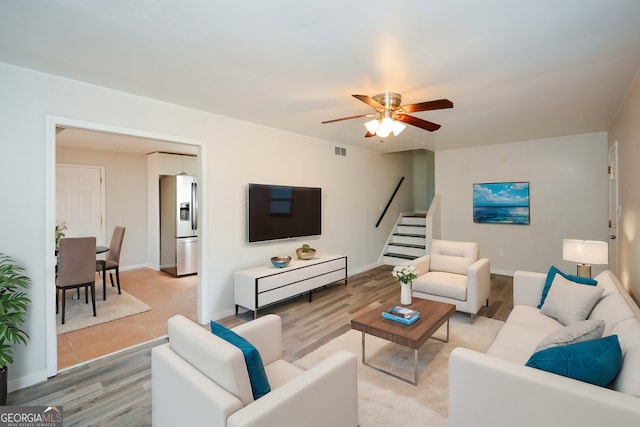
pixel 200 379
pixel 453 273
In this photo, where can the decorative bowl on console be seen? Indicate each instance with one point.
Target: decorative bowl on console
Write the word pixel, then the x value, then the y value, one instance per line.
pixel 280 261
pixel 305 252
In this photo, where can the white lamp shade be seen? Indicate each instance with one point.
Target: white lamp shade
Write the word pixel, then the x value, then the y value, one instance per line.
pixel 585 251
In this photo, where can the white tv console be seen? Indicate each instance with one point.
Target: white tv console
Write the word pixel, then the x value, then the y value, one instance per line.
pixel 258 287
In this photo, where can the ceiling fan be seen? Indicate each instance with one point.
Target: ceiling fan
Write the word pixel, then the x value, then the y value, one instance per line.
pixel 390 116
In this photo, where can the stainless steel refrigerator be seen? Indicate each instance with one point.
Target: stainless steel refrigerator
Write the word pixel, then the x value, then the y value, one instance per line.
pixel 179 224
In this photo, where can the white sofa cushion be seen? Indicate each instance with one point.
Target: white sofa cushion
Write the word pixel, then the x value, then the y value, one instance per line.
pixel 281 372
pixel 522 332
pixel 568 301
pixel 628 332
pixel 628 379
pixel 443 284
pixel 612 309
pixel 222 362
pixel 606 281
pixel 577 332
pixel 453 257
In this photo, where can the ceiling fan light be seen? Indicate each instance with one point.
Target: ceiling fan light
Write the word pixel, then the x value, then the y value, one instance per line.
pixel 398 127
pixel 386 126
pixel 372 126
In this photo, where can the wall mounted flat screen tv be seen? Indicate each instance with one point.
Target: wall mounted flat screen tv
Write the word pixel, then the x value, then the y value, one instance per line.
pixel 282 212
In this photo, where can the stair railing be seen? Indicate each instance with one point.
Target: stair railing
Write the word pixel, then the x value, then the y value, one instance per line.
pixel 389 202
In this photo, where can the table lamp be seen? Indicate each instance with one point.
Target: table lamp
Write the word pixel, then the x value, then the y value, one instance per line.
pixel 585 253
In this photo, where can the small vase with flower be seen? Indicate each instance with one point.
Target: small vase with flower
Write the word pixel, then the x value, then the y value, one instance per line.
pixel 405 275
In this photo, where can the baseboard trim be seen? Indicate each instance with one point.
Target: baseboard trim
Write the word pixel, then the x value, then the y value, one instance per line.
pixel 364 268
pixel 27 381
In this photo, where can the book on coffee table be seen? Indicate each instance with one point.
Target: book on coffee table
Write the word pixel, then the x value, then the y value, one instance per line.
pixel 401 314
pixel 398 310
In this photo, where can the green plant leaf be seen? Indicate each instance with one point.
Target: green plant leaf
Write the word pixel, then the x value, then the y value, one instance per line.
pixel 13 307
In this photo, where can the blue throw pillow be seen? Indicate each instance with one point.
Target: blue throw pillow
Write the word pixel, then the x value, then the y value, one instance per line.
pixel 257 376
pixel 596 361
pixel 552 273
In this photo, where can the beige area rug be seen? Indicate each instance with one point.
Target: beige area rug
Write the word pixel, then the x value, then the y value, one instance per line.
pixel 79 315
pixel 387 401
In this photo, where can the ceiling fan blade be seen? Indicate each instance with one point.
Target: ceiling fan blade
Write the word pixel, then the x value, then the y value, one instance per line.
pixel 438 104
pixel 414 121
pixel 369 134
pixel 369 101
pixel 348 118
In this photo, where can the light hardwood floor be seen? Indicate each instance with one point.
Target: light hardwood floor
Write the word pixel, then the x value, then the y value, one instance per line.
pixel 116 390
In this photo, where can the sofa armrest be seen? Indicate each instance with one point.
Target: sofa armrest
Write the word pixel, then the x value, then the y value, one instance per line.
pixel 487 391
pixel 422 264
pixel 478 284
pixel 527 287
pixel 325 395
pixel 182 395
pixel 265 333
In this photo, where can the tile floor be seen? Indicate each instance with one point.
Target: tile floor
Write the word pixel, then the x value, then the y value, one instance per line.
pixel 166 295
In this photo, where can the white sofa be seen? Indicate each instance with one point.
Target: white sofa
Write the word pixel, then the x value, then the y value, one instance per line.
pixel 453 273
pixel 497 389
pixel 200 379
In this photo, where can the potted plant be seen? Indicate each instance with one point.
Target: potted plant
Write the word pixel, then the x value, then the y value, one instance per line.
pixel 60 229
pixel 13 309
pixel 305 252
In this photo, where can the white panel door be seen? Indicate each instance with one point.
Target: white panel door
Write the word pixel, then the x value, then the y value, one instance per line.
pixel 79 200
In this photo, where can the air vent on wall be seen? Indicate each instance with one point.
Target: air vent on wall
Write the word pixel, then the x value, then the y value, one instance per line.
pixel 340 151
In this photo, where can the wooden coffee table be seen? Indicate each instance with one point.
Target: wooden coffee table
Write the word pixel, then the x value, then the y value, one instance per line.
pixel 433 315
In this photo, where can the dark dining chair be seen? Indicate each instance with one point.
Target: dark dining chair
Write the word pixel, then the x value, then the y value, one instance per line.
pixel 111 261
pixel 76 269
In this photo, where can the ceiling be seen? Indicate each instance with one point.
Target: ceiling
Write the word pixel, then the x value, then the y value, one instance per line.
pixel 515 70
pixel 107 141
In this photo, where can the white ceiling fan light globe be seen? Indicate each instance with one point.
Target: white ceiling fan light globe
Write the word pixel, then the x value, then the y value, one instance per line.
pixel 386 126
pixel 372 126
pixel 398 127
pixel 383 133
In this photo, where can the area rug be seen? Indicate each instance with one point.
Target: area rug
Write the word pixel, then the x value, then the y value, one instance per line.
pixel 387 401
pixel 79 315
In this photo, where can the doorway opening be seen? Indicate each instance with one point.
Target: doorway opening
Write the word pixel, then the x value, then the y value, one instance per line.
pixel 77 142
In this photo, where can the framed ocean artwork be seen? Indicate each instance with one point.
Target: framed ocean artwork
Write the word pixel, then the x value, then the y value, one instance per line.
pixel 501 203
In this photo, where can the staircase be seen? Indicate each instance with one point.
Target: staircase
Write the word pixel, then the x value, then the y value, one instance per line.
pixel 408 240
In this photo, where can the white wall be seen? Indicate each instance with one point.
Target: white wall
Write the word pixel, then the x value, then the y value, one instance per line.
pixel 125 197
pixel 423 179
pixel 235 153
pixel 626 131
pixel 420 180
pixel 568 198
